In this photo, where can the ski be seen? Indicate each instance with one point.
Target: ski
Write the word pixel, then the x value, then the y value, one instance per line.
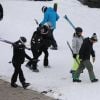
pixel 55 7
pixel 6 41
pixel 26 60
pixel 69 21
pixel 9 42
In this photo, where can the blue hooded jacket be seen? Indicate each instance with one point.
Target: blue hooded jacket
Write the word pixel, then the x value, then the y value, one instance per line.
pixel 50 16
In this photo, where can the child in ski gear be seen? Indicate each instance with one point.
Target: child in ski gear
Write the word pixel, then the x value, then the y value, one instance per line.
pixel 76 45
pixel 84 54
pixel 50 16
pixel 40 42
pixel 17 60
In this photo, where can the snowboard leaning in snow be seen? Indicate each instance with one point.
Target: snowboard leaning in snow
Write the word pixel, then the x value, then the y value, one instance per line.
pixel 69 21
pixel 55 7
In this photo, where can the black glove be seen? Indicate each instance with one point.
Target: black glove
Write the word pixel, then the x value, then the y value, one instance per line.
pixel 74 56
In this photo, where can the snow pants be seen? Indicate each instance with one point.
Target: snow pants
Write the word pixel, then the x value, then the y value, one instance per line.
pixel 17 71
pixel 84 64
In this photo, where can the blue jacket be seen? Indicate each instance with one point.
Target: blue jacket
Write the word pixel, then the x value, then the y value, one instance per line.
pixel 50 16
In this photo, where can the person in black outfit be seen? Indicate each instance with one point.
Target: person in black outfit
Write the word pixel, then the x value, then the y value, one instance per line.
pixel 40 42
pixel 17 60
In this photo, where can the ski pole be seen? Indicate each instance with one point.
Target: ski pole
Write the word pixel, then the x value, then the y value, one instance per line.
pixel 36 21
pixel 69 21
pixel 72 51
pixel 26 60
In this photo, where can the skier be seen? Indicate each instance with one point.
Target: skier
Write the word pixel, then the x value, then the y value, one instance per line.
pixel 50 17
pixel 76 45
pixel 40 42
pixel 84 54
pixel 17 60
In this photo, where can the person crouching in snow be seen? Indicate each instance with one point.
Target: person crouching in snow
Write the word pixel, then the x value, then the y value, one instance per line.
pixel 84 55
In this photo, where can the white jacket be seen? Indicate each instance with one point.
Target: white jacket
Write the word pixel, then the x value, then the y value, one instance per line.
pixel 76 43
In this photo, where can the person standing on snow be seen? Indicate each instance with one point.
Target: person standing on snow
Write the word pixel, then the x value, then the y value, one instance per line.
pixel 50 17
pixel 84 55
pixel 40 42
pixel 76 45
pixel 17 60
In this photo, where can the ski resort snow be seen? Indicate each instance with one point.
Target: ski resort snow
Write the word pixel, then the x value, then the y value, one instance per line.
pixel 56 80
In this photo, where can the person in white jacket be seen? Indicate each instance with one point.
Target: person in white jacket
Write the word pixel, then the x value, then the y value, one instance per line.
pixel 76 45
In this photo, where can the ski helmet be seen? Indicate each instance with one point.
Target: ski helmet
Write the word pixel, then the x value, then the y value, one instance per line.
pixel 23 39
pixel 78 30
pixel 44 8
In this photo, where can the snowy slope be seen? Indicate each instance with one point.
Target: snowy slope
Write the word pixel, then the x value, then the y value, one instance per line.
pixel 19 21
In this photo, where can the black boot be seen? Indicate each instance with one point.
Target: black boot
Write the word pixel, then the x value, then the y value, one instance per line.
pixel 94 80
pixel 34 66
pixel 29 64
pixel 14 85
pixel 76 80
pixel 35 70
pixel 25 85
pixel 54 48
pixel 46 62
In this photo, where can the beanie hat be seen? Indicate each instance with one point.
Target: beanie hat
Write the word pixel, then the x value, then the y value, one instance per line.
pixel 94 37
pixel 23 39
pixel 44 8
pixel 78 30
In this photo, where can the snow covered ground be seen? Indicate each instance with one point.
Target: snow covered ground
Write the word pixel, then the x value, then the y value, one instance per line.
pixel 57 81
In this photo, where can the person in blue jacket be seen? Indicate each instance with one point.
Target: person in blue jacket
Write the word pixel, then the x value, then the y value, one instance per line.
pixel 50 17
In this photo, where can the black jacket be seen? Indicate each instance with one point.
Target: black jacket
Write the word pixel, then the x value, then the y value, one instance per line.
pixel 39 40
pixel 86 50
pixel 19 53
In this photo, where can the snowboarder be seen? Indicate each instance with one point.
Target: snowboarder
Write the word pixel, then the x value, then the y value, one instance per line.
pixel 76 45
pixel 17 60
pixel 84 54
pixel 50 17
pixel 40 42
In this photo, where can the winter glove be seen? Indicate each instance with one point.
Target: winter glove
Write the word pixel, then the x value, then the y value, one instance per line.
pixel 74 56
